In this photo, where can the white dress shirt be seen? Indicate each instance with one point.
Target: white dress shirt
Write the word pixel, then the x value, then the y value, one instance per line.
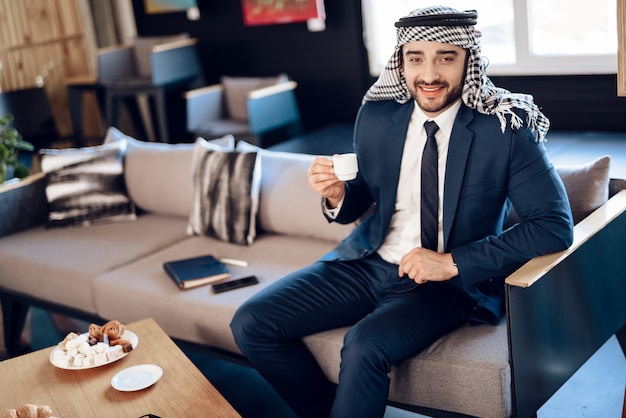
pixel 404 231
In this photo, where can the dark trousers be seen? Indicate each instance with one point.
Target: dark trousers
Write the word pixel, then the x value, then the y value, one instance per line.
pixel 388 325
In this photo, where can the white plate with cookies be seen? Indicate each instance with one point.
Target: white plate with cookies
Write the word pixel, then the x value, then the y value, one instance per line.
pixel 79 351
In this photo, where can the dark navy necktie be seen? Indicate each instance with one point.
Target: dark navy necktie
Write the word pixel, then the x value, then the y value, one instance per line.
pixel 430 189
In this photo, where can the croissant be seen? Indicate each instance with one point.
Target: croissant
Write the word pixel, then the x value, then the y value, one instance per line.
pixel 114 331
pixel 28 411
pixel 95 331
pixel 9 413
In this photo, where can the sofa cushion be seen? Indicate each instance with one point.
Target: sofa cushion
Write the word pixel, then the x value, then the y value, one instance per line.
pixel 159 176
pixel 225 194
pixel 143 289
pixel 287 203
pixel 85 186
pixel 60 264
pixel 456 361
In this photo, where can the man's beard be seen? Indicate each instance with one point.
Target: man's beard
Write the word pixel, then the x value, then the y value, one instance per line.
pixel 431 106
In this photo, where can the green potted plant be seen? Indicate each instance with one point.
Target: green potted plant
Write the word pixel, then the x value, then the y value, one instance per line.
pixel 11 143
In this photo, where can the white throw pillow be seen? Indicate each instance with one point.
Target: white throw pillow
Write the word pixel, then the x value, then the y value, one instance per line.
pixel 159 176
pixel 287 203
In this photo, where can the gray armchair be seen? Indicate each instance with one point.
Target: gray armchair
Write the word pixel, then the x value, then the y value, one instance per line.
pixel 150 66
pixel 560 309
pixel 252 109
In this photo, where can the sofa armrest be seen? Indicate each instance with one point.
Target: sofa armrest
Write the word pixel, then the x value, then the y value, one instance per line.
pixel 562 307
pixel 204 104
pixel 23 204
pixel 270 90
pixel 272 107
pixel 179 43
pixel 536 268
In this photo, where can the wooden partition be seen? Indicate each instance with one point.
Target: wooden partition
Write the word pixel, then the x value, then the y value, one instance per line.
pixel 42 42
pixel 621 45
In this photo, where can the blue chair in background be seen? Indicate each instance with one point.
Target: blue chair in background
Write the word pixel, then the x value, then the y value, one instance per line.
pixel 259 110
pixel 151 66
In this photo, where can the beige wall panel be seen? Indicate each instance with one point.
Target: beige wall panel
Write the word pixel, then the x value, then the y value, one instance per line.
pixel 42 20
pixel 69 17
pixel 48 59
pixel 74 60
pixel 16 70
pixel 8 31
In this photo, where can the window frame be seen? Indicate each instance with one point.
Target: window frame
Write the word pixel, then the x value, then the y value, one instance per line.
pixel 525 62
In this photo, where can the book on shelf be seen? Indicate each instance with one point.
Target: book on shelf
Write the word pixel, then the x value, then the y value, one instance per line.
pixel 196 271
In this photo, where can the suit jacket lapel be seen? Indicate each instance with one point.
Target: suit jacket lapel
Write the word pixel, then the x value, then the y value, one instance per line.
pixel 458 154
pixel 391 152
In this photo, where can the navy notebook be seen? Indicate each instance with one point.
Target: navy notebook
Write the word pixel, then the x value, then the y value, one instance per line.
pixel 196 271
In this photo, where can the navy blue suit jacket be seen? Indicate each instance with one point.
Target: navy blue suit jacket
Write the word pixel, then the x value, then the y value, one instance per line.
pixel 487 171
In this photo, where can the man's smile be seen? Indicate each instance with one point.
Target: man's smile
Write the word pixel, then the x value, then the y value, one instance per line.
pixel 430 90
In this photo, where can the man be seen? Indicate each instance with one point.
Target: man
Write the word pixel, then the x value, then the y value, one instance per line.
pixel 416 267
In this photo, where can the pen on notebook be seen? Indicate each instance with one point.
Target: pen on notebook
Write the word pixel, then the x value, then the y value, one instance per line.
pixel 233 262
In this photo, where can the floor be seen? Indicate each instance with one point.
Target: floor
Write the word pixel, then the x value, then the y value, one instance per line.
pixel 595 391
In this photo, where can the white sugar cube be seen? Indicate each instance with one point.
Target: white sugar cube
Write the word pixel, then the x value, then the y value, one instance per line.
pixel 74 343
pixel 88 361
pixel 78 359
pixel 100 358
pixel 84 347
pixel 115 352
pixel 100 348
pixel 60 358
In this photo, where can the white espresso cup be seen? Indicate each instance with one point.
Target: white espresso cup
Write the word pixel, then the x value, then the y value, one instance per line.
pixel 345 166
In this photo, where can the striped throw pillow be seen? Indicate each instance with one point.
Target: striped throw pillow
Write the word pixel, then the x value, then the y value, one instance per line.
pixel 85 186
pixel 225 194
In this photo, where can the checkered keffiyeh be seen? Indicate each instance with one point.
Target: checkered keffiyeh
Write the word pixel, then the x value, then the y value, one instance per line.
pixel 478 91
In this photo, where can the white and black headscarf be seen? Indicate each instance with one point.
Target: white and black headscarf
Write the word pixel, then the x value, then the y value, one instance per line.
pixel 450 26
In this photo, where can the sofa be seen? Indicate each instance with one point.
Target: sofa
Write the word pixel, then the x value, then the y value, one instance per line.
pixel 111 267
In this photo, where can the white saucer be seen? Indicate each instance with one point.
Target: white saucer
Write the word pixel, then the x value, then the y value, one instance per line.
pixel 136 377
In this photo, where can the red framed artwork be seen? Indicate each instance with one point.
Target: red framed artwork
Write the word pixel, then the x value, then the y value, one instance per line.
pixel 270 12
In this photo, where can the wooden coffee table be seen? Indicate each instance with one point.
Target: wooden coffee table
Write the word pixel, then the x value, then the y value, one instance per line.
pixel 182 391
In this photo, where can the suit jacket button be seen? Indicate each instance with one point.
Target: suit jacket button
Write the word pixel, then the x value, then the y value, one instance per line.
pixel 364 253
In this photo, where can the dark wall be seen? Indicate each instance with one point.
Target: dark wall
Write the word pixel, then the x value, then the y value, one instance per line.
pixel 574 103
pixel 331 66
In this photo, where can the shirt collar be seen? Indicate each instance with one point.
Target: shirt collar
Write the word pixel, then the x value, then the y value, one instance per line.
pixel 445 120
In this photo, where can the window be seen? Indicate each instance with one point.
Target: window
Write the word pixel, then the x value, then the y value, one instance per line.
pixel 520 37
